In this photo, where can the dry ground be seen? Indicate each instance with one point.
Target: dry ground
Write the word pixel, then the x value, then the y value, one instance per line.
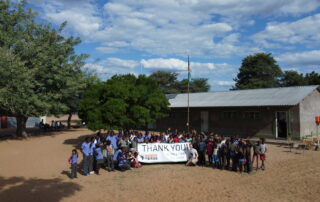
pixel 36 170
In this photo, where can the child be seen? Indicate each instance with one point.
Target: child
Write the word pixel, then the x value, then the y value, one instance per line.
pixel 248 152
pixel 242 160
pixel 202 151
pixel 256 154
pixel 262 153
pixel 99 158
pixel 210 149
pixel 109 156
pixel 215 158
pixel 73 160
pixel 135 162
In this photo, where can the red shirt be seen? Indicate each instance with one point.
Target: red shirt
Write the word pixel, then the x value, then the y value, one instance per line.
pixel 175 139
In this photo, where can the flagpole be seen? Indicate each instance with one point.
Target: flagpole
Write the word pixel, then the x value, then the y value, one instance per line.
pixel 188 119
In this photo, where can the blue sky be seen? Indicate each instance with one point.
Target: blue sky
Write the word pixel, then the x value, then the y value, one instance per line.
pixel 143 36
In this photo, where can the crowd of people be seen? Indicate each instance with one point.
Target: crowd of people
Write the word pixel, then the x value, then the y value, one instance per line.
pixel 118 151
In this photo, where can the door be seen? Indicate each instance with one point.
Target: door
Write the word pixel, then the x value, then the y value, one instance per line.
pixel 281 124
pixel 204 121
pixel 4 121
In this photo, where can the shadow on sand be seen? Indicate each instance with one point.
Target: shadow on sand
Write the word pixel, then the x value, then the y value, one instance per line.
pixel 35 189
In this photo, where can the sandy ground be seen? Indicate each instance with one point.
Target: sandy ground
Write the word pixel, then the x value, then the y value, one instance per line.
pixel 36 170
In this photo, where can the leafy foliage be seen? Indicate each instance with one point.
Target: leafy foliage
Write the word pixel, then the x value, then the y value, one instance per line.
pixel 258 71
pixel 169 83
pixel 123 101
pixel 39 69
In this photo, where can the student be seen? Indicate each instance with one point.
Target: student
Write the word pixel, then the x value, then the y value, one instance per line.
pixel 227 151
pixel 86 151
pixel 92 162
pixel 109 156
pixel 262 153
pixel 74 162
pixel 135 162
pixel 99 158
pixel 242 159
pixel 115 157
pixel 123 163
pixel 114 140
pixel 215 158
pixel 209 149
pixel 248 148
pixel 256 149
pixel 193 156
pixel 233 153
pixel 202 151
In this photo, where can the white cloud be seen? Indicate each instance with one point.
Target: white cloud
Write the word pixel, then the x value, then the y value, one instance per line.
pixel 303 31
pixel 307 58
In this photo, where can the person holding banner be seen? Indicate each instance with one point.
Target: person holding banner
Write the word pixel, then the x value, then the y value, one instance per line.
pixel 193 156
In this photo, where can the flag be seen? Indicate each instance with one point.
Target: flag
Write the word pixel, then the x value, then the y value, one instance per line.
pixel 189 71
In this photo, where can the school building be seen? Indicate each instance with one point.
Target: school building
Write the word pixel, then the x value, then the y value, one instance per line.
pixel 271 113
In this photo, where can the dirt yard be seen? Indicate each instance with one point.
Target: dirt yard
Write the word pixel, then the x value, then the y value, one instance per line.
pixel 36 169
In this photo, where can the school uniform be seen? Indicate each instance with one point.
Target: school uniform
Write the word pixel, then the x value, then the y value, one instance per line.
pixel 86 150
pixel 74 161
pixel 99 158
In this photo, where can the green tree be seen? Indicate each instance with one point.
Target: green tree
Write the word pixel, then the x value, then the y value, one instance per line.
pixel 293 78
pixel 42 59
pixel 123 102
pixel 258 71
pixel 313 78
pixel 169 83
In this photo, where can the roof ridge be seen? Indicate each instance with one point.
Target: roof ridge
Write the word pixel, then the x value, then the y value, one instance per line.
pixel 254 89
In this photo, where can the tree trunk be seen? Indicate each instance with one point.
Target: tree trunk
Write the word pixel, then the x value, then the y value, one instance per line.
pixel 21 126
pixel 69 120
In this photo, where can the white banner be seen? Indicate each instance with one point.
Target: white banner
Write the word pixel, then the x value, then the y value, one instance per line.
pixel 163 152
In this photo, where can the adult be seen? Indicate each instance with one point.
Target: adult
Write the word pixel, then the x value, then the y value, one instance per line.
pixel 192 157
pixel 114 140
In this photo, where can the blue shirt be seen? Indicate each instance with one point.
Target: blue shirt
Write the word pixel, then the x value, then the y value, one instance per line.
pixel 114 141
pixel 122 159
pixel 74 159
pixel 98 153
pixel 139 140
pixel 86 149
pixel 202 146
pixel 116 154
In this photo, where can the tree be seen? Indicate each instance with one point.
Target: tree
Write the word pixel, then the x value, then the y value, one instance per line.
pixel 169 83
pixel 293 78
pixel 123 102
pixel 37 65
pixel 165 80
pixel 313 78
pixel 258 71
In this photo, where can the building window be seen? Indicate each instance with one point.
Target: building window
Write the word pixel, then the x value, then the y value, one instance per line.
pixel 229 115
pixel 252 115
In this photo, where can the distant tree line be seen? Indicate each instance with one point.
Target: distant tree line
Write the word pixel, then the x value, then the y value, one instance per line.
pixel 169 83
pixel 261 71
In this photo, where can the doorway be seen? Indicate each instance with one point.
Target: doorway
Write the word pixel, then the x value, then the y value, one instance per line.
pixel 204 121
pixel 281 124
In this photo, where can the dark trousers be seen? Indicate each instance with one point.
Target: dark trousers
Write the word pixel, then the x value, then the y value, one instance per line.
pixel 124 167
pixel 228 161
pixel 86 164
pixel 210 158
pixel 249 165
pixel 110 165
pixel 73 170
pixel 222 159
pixel 202 158
pixel 91 163
pixel 99 163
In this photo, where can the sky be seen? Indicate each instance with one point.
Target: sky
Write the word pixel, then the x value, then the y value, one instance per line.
pixel 143 36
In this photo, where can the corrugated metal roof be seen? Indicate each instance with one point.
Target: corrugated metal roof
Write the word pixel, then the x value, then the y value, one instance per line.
pixel 287 96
